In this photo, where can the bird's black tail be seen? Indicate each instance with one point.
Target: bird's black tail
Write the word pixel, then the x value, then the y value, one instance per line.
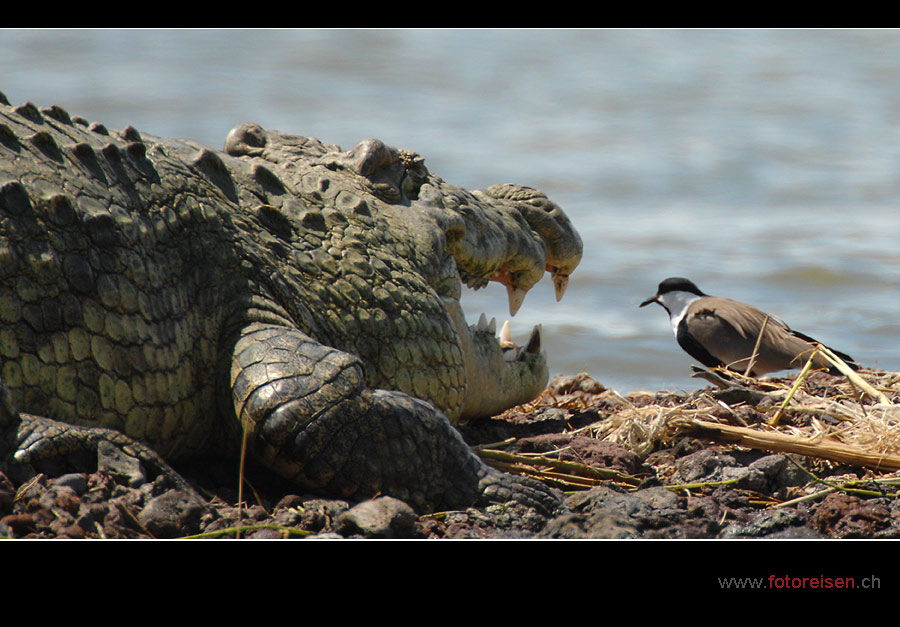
pixel 847 359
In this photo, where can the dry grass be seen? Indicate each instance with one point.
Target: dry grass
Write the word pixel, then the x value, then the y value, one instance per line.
pixel 852 420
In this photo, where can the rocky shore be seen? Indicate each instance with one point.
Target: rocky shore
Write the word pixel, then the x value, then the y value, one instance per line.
pixel 626 466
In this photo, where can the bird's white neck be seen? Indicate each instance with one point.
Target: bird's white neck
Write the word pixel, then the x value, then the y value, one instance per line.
pixel 677 303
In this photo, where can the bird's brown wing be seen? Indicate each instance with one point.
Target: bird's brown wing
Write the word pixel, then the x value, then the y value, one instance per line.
pixel 734 329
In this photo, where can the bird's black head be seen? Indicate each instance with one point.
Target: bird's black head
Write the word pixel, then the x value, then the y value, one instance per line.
pixel 673 284
pixel 678 284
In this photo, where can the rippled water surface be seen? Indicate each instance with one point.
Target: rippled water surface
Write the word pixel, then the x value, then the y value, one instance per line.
pixel 764 165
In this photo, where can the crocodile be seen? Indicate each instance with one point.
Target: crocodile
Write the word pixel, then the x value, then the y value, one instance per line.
pixel 284 293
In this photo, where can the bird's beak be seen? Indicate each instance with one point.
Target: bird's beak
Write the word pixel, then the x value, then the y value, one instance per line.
pixel 652 299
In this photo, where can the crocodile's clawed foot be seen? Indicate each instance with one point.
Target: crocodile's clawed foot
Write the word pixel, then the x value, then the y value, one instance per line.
pixel 41 439
pixel 499 487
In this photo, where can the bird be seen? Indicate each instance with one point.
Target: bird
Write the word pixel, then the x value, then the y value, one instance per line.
pixel 722 332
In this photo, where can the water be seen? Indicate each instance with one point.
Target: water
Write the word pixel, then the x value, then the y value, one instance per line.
pixel 764 165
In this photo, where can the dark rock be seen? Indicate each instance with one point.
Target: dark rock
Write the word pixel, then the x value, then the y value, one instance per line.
pixel 255 513
pixel 66 528
pixel 115 462
pixel 19 524
pixel 708 466
pixel 76 481
pixel 289 500
pixel 60 499
pixel 172 515
pixel 794 532
pixel 502 520
pixel 316 514
pixel 779 473
pixel 687 446
pixel 841 515
pixel 382 517
pixel 773 523
pixel 704 507
pixel 265 534
pixel 566 384
pixel 603 524
pixel 605 513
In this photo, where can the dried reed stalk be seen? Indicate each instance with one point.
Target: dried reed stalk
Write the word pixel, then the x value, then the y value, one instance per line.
pixel 570 468
pixel 857 380
pixel 800 379
pixel 755 353
pixel 782 443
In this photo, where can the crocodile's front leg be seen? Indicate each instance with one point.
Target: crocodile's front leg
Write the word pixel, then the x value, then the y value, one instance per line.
pixel 311 418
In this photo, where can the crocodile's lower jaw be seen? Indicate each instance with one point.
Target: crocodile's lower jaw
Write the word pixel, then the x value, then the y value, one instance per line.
pixel 499 374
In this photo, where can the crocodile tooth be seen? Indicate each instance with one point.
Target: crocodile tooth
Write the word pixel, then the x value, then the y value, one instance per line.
pixel 482 323
pixel 510 355
pixel 534 342
pixel 506 336
pixel 492 326
pixel 560 283
pixel 516 296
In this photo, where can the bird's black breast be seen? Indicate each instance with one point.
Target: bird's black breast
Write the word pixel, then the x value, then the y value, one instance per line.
pixel 693 348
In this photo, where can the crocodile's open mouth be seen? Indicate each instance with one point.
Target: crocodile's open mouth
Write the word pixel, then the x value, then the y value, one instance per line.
pixel 514 292
pixel 499 373
pixel 511 351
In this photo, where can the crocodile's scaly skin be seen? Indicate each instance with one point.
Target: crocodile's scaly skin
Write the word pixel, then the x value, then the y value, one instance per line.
pixel 176 294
